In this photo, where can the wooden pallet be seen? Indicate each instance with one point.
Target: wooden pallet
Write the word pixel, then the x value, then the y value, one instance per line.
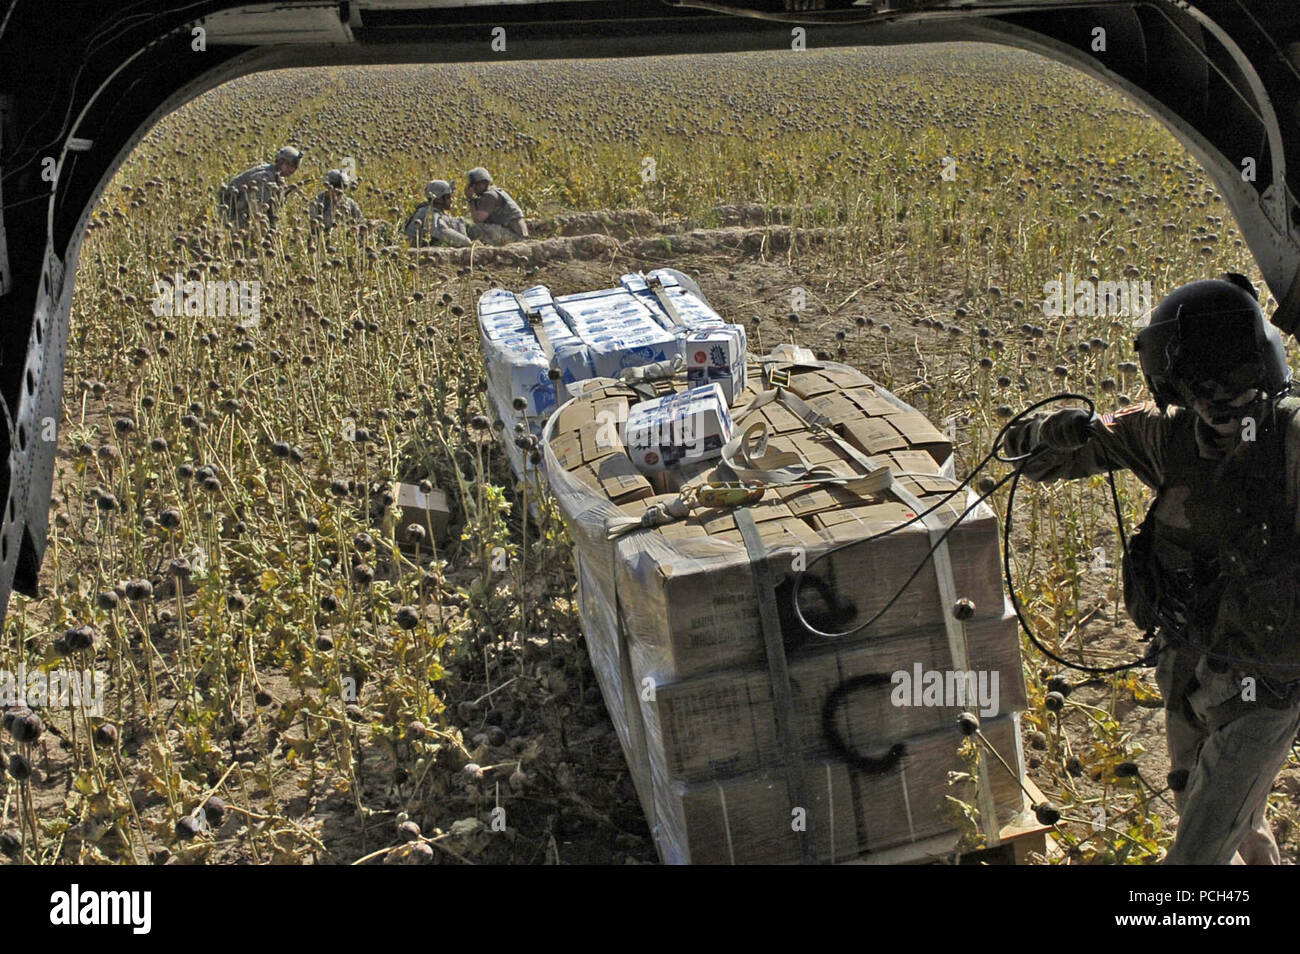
pixel 1017 840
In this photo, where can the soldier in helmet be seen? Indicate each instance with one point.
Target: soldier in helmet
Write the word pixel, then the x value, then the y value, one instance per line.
pixel 497 216
pixel 430 222
pixel 332 207
pixel 258 191
pixel 1214 569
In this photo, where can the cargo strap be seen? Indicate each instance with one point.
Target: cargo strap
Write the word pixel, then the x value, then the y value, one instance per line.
pixel 820 425
pixel 769 616
pixel 660 291
pixel 956 632
pixel 743 454
pixel 653 380
pixel 534 318
pixel 953 627
pixel 781 470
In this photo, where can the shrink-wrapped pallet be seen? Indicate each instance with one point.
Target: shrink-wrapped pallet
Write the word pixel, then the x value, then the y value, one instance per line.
pixel 535 345
pixel 672 620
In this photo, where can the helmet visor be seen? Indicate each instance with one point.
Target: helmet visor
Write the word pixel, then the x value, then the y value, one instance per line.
pixel 1215 351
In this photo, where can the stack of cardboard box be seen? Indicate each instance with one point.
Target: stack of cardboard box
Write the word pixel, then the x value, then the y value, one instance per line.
pixel 534 345
pixel 672 620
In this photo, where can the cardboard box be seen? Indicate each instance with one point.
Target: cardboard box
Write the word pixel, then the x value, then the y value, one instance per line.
pixel 516 363
pixel 817 449
pixel 973 547
pixel 780 420
pixel 427 510
pixel 902 431
pixel 777 536
pixel 721 519
pixel 614 478
pixel 617 329
pixel 920 434
pixel 746 819
pixel 724 723
pixel 613 351
pixel 810 384
pixel 873 435
pixel 688 616
pixel 808 499
pixel 846 379
pixel 871 403
pixel 691 426
pixel 589 443
pixel 606 411
pixel 691 311
pixel 568 449
pixel 835 407
pixel 717 356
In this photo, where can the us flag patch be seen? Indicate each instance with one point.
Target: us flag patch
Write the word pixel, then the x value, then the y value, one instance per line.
pixel 1111 417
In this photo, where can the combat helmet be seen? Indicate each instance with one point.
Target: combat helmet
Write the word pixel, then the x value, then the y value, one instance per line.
pixel 437 189
pixel 1208 333
pixel 478 174
pixel 335 179
pixel 289 154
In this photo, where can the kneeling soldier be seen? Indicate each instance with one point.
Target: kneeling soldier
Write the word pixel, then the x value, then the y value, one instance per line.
pixel 430 222
pixel 258 191
pixel 497 217
pixel 332 207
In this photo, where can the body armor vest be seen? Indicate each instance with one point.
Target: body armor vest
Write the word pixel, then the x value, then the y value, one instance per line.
pixel 1219 550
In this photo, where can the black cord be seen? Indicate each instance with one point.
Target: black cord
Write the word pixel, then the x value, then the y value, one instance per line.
pixel 1167 626
pixel 798 581
pixel 1015 601
pixel 1014 477
pixel 997 443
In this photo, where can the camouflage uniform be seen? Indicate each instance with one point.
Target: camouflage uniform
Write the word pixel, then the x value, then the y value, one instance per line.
pixel 258 190
pixel 1221 545
pixel 326 211
pixel 502 211
pixel 428 225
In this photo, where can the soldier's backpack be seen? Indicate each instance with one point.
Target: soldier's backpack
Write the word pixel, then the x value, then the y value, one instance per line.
pixel 411 228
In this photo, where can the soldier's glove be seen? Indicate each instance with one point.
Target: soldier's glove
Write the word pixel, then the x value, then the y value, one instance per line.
pixel 1021 437
pixel 1064 431
pixel 1067 430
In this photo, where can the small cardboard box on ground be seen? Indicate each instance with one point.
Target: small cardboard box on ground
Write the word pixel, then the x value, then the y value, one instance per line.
pixel 427 510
